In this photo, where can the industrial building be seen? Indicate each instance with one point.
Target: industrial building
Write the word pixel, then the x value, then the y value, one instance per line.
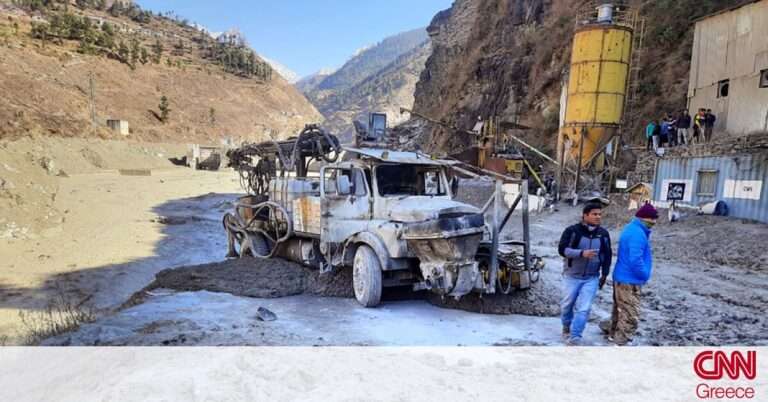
pixel 729 67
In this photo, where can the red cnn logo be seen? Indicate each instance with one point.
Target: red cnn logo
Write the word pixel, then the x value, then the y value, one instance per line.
pixel 710 365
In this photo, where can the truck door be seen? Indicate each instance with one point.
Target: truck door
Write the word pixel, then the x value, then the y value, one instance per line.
pixel 345 203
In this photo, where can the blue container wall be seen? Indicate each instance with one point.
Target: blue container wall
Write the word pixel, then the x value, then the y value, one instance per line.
pixel 739 167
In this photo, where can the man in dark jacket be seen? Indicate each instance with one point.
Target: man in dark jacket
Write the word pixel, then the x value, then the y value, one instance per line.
pixel 586 249
pixel 709 125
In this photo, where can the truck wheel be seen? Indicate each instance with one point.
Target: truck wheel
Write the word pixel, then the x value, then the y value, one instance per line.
pixel 366 277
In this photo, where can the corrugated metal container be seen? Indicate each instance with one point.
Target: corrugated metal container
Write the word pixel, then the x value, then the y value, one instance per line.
pixel 739 180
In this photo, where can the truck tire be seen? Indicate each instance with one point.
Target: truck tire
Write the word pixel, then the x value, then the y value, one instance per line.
pixel 366 277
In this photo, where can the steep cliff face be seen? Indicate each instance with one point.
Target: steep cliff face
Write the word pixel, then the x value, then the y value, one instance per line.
pixel 482 64
pixel 509 58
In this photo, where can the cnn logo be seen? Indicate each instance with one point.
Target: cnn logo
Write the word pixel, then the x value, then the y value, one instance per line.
pixel 712 365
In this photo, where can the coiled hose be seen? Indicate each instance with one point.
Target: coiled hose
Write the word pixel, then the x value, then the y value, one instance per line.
pixel 244 232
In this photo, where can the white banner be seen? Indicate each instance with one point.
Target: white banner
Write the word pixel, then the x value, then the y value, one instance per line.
pixel 743 189
pixel 382 374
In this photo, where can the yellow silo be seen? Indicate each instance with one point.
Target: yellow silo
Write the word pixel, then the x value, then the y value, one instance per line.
pixel 597 85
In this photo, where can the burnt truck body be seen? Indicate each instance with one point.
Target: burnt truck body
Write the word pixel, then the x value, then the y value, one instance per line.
pixel 389 215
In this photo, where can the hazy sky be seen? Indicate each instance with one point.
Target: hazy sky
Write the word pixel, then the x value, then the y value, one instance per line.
pixel 306 35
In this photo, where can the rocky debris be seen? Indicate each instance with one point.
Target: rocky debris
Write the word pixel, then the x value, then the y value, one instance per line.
pixel 541 301
pixel 175 220
pixel 262 314
pixel 699 239
pixel 49 165
pixel 93 158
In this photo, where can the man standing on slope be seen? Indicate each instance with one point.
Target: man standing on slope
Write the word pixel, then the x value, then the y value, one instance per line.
pixel 586 248
pixel 632 271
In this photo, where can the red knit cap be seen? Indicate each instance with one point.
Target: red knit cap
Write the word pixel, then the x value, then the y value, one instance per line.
pixel 647 212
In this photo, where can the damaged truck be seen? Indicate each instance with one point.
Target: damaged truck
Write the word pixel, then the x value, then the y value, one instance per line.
pixel 391 216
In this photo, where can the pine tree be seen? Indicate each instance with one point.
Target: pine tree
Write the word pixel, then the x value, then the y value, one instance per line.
pixel 157 51
pixel 124 52
pixel 165 109
pixel 135 52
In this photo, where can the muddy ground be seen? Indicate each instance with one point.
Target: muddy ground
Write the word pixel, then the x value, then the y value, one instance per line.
pixel 122 234
pixel 251 277
pixel 697 302
pixel 277 278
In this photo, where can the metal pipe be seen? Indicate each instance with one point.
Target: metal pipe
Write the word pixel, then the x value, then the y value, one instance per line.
pixel 488 203
pixel 535 176
pixel 560 171
pixel 526 226
pixel 532 148
pixel 495 239
pixel 510 212
pixel 581 160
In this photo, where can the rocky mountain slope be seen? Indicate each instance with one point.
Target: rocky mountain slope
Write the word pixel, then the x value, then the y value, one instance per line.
pixel 54 78
pixel 509 57
pixel 309 83
pixel 380 78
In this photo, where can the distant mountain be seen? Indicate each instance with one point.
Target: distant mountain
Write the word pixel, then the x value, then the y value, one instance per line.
pixel 386 91
pixel 377 78
pixel 285 72
pixel 370 60
pixel 310 82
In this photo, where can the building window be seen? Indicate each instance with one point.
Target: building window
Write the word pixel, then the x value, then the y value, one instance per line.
pixel 722 88
pixel 764 79
pixel 707 183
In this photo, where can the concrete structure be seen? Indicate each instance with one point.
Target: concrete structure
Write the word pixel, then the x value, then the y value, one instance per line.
pixel 597 82
pixel 739 180
pixel 729 67
pixel 121 126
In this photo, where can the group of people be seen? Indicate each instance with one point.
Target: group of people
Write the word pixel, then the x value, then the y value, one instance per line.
pixel 682 129
pixel 587 253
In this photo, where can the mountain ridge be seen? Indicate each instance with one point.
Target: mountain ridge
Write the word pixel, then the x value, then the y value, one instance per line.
pixel 380 78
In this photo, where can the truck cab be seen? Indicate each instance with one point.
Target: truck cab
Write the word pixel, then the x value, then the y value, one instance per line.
pixel 391 216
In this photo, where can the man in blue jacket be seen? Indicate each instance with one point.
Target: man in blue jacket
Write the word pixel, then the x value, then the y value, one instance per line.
pixel 632 271
pixel 586 250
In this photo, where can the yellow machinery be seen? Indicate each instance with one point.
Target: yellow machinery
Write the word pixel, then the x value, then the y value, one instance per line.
pixel 598 85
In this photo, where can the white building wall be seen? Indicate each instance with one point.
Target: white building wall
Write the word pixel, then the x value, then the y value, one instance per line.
pixel 733 46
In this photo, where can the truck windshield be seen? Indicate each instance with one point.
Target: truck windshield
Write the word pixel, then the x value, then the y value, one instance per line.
pixel 394 180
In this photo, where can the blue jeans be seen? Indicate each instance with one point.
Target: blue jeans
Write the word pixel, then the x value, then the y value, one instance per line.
pixel 578 295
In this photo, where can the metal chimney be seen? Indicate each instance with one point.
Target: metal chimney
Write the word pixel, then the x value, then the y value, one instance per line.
pixel 605 13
